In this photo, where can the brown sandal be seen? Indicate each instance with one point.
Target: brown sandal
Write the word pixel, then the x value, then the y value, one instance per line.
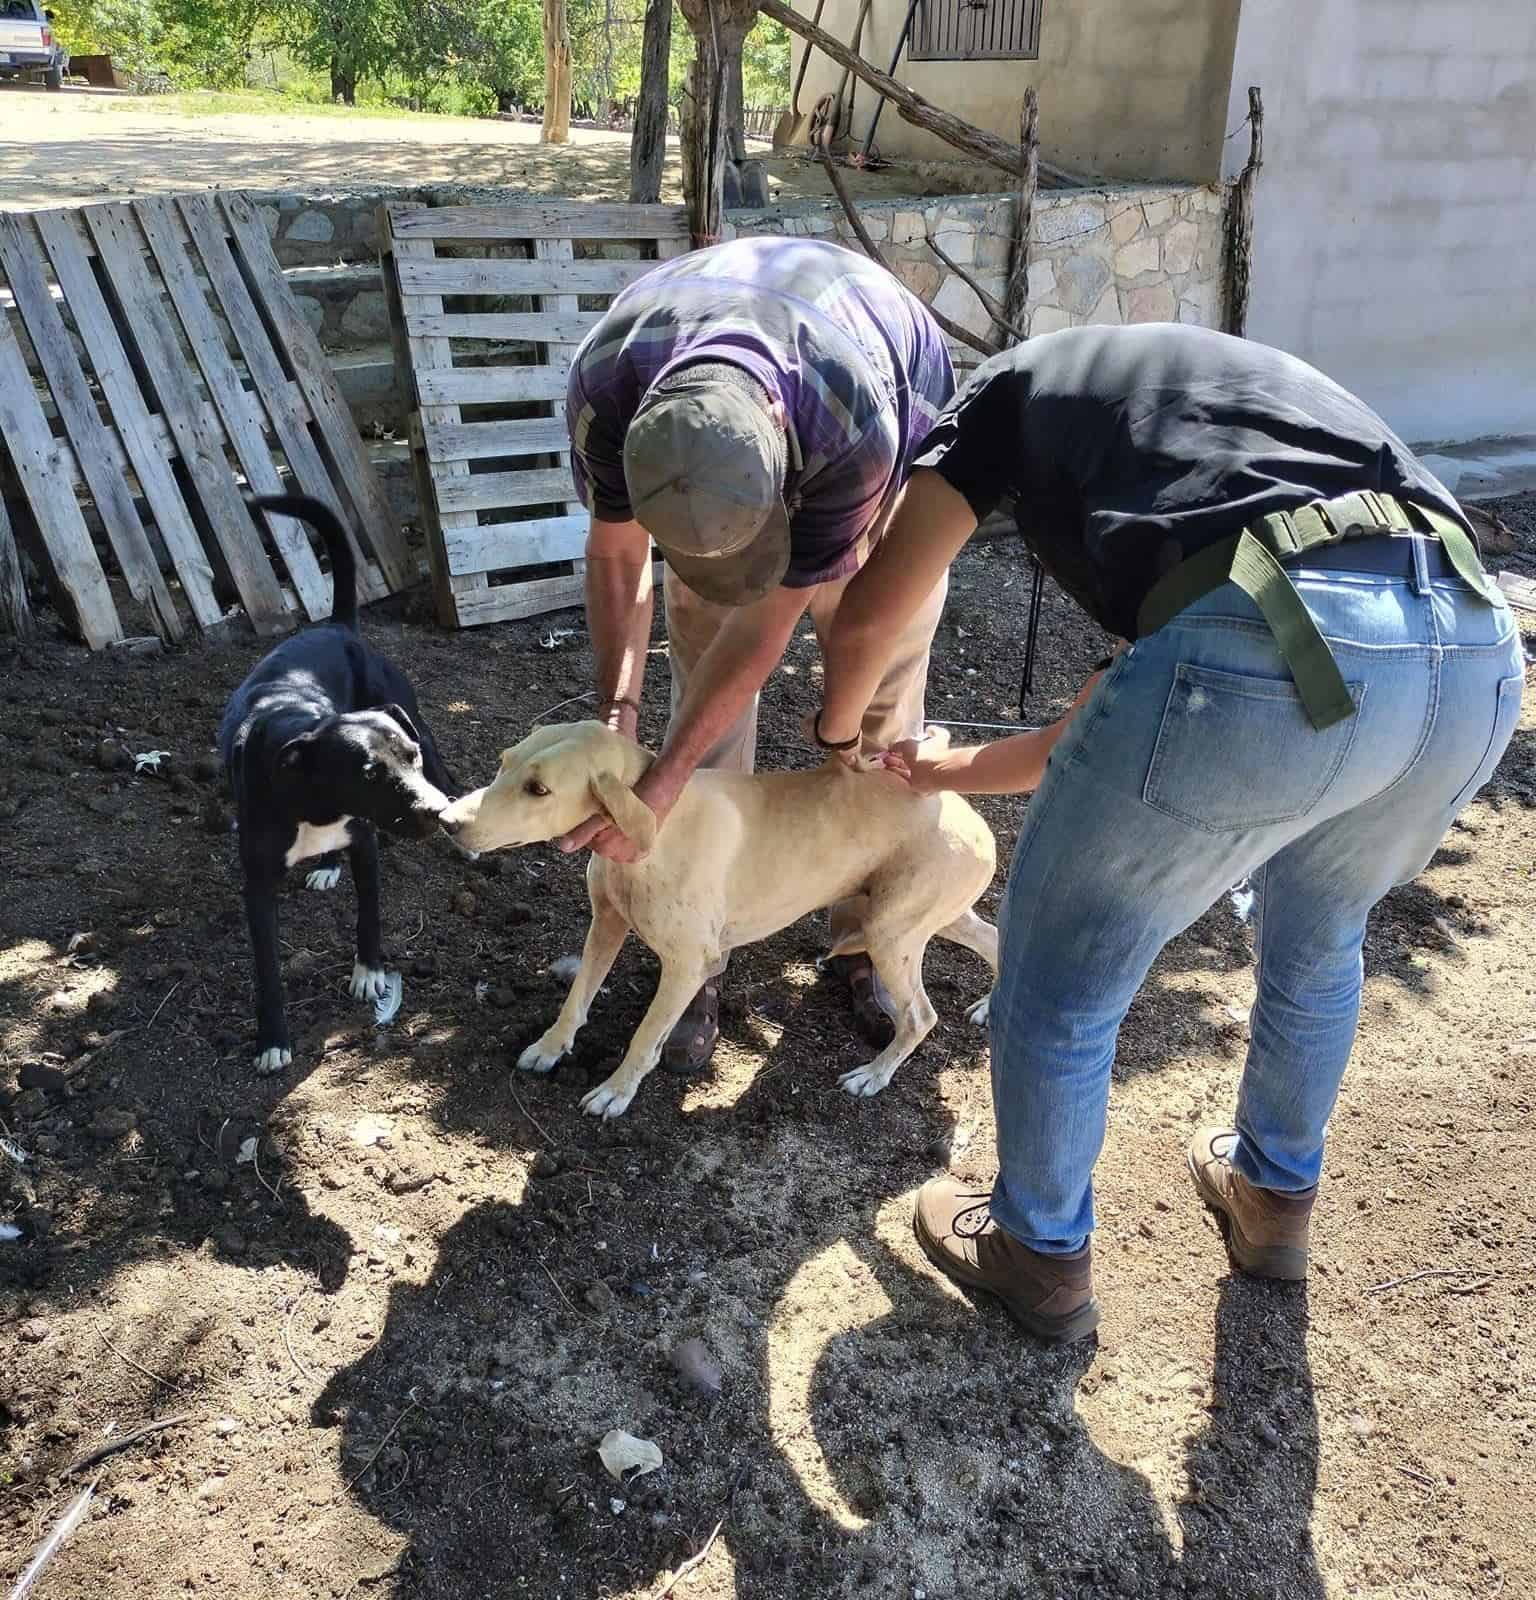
pixel 871 1005
pixel 691 1044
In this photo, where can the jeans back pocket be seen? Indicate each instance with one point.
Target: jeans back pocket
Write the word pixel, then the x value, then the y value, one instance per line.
pixel 1236 752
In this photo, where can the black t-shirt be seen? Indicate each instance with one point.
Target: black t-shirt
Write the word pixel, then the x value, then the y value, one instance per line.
pixel 1127 449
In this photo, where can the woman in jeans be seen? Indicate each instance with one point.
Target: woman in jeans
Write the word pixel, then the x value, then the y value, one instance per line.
pixel 1321 678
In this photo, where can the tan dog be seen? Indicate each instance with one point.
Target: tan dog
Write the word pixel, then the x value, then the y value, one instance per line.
pixel 739 858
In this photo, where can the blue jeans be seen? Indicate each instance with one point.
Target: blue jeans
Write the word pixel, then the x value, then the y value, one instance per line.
pixel 1192 767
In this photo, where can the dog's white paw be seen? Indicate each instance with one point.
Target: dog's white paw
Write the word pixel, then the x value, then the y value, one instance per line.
pixel 273 1060
pixel 543 1055
pixel 610 1099
pixel 866 1081
pixel 368 983
pixel 977 1014
pixel 323 878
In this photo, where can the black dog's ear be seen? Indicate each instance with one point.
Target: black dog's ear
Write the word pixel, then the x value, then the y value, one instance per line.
pixel 293 754
pixel 399 713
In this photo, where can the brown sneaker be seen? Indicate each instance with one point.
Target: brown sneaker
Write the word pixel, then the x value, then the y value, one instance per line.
pixel 1050 1296
pixel 691 1044
pixel 1266 1232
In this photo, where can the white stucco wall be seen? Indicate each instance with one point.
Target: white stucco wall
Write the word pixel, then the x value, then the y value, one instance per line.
pixel 1395 231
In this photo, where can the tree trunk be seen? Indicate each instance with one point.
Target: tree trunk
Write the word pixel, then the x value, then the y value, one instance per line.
pixel 719 29
pixel 343 83
pixel 648 145
pixel 557 74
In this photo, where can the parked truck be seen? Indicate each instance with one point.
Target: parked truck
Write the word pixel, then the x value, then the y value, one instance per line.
pixel 27 44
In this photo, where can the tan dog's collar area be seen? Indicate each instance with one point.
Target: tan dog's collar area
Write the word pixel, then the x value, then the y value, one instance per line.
pixel 552 782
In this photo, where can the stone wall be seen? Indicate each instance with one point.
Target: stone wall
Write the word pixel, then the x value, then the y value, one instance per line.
pixel 1145 253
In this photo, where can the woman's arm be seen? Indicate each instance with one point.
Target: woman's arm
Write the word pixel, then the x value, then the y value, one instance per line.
pixel 1015 765
pixel 931 523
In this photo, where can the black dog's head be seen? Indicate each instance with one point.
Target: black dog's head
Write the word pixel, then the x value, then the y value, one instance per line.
pixel 364 764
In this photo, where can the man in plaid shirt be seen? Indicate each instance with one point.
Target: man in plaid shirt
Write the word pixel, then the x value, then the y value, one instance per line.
pixel 753 409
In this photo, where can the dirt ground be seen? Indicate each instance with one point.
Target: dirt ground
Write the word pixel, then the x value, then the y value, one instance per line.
pixel 89 146
pixel 394 1337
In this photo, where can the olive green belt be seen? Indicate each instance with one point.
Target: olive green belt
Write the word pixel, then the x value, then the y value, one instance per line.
pixel 1252 560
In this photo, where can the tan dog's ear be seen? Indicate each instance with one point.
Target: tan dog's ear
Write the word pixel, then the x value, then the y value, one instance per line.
pixel 629 813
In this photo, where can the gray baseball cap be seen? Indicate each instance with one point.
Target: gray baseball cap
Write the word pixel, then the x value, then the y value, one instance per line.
pixel 704 461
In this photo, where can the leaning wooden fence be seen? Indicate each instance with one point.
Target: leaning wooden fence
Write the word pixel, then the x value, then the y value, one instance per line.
pixel 488 305
pixel 154 368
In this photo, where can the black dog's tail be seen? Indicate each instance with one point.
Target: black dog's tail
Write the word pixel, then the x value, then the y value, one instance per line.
pixel 343 567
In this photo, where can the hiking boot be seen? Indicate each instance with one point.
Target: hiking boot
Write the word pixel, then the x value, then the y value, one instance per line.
pixel 873 1013
pixel 1049 1296
pixel 1266 1231
pixel 691 1044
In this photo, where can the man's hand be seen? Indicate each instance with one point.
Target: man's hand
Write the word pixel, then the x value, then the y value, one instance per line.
pixel 658 788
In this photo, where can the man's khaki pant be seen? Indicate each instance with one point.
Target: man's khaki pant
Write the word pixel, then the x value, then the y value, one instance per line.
pixel 895 713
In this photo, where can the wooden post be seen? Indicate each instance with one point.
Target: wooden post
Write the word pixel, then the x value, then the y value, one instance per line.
pixel 648 145
pixel 15 612
pixel 1239 262
pixel 953 130
pixel 557 74
pixel 1015 300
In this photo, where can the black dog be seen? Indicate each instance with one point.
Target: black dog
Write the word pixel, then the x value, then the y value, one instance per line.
pixel 322 744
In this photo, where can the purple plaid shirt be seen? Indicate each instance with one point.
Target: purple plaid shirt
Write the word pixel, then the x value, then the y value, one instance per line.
pixel 861 368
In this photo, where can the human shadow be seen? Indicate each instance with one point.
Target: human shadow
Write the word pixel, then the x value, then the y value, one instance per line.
pixel 471 1427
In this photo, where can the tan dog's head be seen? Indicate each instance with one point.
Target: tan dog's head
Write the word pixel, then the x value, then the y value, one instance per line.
pixel 554 780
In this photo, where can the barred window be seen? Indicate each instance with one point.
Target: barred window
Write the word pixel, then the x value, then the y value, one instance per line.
pixel 976 30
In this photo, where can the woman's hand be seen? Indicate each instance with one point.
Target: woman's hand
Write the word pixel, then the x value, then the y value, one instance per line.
pixel 918 761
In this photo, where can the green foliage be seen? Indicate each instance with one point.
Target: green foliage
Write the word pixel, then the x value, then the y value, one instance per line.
pixel 469 57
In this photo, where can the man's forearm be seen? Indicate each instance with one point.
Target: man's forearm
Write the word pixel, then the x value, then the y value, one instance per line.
pixel 736 665
pixel 619 604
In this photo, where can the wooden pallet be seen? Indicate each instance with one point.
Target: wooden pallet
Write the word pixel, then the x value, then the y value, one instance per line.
pixel 172 372
pixel 488 304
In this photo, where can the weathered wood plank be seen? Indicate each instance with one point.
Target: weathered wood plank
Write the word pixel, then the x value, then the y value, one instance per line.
pixel 146 439
pixel 95 452
pixel 338 436
pixel 561 354
pixel 283 405
pixel 479 386
pixel 119 247
pixel 15 609
pixel 487 491
pixel 496 546
pixel 531 327
pixel 426 358
pixel 543 219
pixel 42 464
pixel 471 277
pixel 479 441
pixel 505 602
pixel 239 410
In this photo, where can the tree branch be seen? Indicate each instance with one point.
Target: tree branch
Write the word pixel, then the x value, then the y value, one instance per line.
pixel 953 130
pixel 856 222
